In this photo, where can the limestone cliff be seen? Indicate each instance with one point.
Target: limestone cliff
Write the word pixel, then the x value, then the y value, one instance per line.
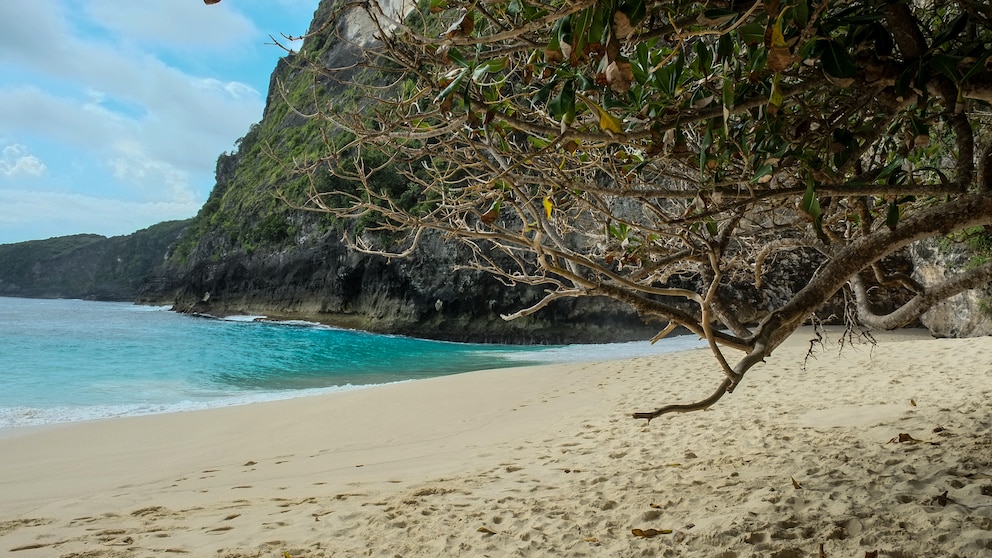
pixel 248 252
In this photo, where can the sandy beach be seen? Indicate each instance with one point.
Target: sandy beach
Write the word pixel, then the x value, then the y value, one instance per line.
pixel 883 449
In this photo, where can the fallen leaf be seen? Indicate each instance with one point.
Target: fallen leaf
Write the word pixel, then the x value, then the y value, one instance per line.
pixel 905 438
pixel 795 484
pixel 486 531
pixel 942 500
pixel 591 540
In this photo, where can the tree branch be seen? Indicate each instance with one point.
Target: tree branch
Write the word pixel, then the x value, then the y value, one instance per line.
pixel 923 301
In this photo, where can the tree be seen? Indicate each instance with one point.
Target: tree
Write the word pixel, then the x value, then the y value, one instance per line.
pixel 605 147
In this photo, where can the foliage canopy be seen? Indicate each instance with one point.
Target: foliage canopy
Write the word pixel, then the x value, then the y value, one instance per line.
pixel 602 147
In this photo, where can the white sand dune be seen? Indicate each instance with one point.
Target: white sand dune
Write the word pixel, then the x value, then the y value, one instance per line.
pixel 540 461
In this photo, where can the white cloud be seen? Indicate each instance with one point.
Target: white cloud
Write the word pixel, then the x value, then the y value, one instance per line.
pixel 126 105
pixel 15 160
pixel 107 89
pixel 182 24
pixel 236 90
pixel 132 167
pixel 60 213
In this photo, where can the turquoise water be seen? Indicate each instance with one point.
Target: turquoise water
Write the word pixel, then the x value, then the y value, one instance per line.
pixel 69 360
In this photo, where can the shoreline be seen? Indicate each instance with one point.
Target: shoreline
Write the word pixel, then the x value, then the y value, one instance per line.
pixel 507 356
pixel 540 461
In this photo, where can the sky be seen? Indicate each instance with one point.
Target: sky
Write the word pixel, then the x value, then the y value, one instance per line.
pixel 113 112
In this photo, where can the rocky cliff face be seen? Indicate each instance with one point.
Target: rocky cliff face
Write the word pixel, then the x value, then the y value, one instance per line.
pixel 85 266
pixel 247 252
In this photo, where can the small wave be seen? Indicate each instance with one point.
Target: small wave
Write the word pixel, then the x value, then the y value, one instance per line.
pixel 149 308
pixel 606 351
pixel 16 417
pixel 244 318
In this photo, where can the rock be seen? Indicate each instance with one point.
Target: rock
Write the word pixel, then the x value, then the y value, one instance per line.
pixel 965 315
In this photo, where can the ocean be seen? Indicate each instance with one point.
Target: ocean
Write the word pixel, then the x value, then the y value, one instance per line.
pixel 73 360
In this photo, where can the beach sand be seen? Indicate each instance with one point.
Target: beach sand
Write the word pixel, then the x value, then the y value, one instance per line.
pixel 882 449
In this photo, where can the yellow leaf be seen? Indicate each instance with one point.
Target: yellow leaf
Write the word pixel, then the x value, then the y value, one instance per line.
pixel 548 206
pixel 607 122
pixel 778 38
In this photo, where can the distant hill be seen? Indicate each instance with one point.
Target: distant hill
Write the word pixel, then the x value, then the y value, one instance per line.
pixel 86 266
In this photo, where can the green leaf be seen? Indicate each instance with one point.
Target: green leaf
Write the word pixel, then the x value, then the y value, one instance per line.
pixel 844 145
pixel 809 204
pixel 890 168
pixel 564 102
pixel 457 57
pixel 728 92
pixel 492 66
pixel 977 67
pixel 764 170
pixel 801 13
pixel 634 9
pixel 725 47
pixel 543 93
pixel 452 86
pixel 892 216
pixel 947 65
pixel 752 33
pixel 703 146
pixel 811 207
pixel 538 143
pixel 837 62
pixel 775 98
pixel 704 58
pixel 951 32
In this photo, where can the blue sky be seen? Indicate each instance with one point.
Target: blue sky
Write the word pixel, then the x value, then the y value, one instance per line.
pixel 113 112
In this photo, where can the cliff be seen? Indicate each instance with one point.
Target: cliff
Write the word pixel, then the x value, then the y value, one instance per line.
pixel 86 265
pixel 248 252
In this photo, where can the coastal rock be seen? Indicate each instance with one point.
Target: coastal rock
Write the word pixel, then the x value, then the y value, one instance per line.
pixel 85 266
pixel 968 314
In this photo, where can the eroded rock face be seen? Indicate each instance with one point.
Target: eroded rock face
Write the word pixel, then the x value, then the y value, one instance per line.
pixel 968 314
pixel 422 296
